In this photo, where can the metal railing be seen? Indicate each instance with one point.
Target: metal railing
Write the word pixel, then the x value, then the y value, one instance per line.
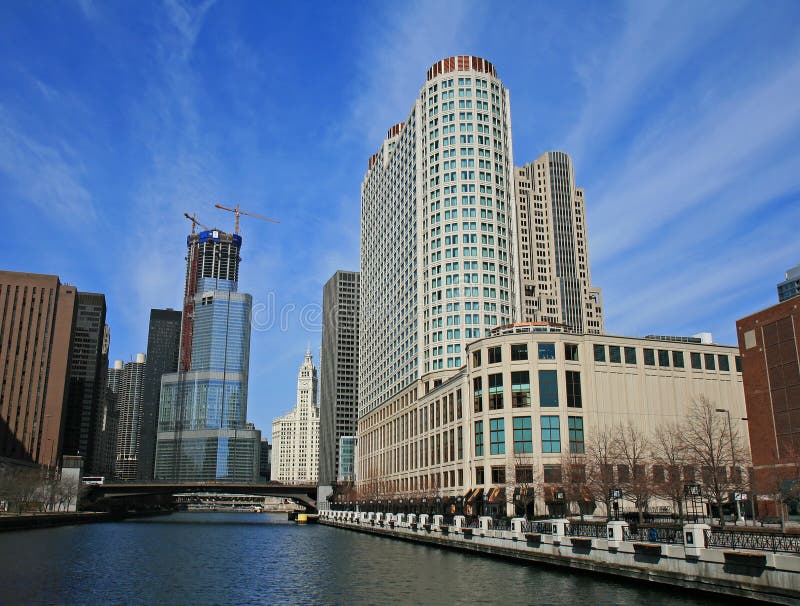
pixel 595 531
pixel 789 543
pixel 655 534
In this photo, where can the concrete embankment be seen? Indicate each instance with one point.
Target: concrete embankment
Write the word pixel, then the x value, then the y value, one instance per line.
pixel 763 576
pixel 31 521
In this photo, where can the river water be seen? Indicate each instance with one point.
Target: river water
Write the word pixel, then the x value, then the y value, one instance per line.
pixel 241 558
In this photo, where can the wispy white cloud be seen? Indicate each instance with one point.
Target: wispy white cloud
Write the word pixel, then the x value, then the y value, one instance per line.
pixel 396 48
pixel 47 174
pixel 657 36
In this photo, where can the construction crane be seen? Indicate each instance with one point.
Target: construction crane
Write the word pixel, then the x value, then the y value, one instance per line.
pixel 195 222
pixel 237 212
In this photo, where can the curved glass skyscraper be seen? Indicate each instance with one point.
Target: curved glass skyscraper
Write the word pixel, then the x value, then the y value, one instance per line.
pixel 202 433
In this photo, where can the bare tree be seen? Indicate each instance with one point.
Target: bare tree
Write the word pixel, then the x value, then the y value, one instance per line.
pixel 669 456
pixel 574 481
pixel 600 459
pixel 632 449
pixel 523 481
pixel 712 445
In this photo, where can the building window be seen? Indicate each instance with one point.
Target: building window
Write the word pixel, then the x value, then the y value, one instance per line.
pixel 576 445
pixel 476 358
pixel 599 353
pixel 697 361
pixel 495 355
pixel 479 475
pixel 574 389
pixel 523 474
pixel 523 442
pixel 547 351
pixel 520 389
pixel 551 434
pixel 630 355
pixel 460 434
pixel 519 352
pixel 649 357
pixel 497 431
pixel 709 361
pixel 663 357
pixel 552 474
pixel 614 354
pixel 477 386
pixel 738 360
pixel 677 359
pixel 724 365
pixel 571 352
pixel 478 438
pixel 496 391
pixel 498 474
pixel 548 388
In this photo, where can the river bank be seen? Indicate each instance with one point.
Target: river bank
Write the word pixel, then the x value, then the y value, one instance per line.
pixel 763 576
pixel 30 521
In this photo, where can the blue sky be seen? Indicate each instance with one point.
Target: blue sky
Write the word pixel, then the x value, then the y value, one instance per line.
pixel 116 117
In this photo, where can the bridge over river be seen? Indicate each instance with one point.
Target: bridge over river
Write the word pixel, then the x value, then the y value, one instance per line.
pixel 142 493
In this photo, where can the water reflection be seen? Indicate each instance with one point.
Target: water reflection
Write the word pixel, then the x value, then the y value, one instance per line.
pixel 217 558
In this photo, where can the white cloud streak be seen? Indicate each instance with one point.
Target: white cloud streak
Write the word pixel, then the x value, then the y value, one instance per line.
pixel 48 175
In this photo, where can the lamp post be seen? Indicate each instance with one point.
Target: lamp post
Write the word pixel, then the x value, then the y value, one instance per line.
pixel 733 460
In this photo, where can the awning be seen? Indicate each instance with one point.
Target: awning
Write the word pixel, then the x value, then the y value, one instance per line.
pixel 474 495
pixel 496 495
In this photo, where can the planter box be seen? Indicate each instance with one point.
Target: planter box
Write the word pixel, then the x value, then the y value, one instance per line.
pixel 427 527
pixel 467 533
pixel 533 539
pixel 746 558
pixel 652 549
pixel 444 529
pixel 584 543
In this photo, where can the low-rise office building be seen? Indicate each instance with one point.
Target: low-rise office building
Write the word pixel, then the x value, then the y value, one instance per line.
pixel 530 394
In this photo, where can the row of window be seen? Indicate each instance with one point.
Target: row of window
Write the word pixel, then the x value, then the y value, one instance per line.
pixel 550 426
pixel 697 360
pixel 612 353
pixel 519 351
pixel 521 390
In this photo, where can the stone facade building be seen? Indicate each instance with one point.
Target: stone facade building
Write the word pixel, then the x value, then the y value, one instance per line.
pixel 295 436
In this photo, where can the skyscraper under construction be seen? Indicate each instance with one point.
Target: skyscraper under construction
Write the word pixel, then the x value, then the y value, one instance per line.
pixel 202 433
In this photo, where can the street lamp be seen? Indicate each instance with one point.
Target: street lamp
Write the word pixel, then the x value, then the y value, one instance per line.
pixel 733 460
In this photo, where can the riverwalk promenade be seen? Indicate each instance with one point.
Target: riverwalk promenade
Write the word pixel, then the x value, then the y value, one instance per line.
pixel 694 557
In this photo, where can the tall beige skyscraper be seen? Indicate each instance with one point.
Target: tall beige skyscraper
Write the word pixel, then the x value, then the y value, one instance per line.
pixel 437 213
pixel 295 436
pixel 553 252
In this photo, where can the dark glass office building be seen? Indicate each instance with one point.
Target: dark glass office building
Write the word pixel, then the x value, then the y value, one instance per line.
pixel 163 345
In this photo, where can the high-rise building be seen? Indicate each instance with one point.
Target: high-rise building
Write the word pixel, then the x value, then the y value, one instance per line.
pixel 108 420
pixel 163 345
pixel 37 314
pixel 129 428
pixel 295 436
pixel 87 368
pixel 265 467
pixel 347 459
pixel 790 287
pixel 553 246
pixel 202 432
pixel 338 407
pixel 438 264
pixel 769 341
pixel 437 215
